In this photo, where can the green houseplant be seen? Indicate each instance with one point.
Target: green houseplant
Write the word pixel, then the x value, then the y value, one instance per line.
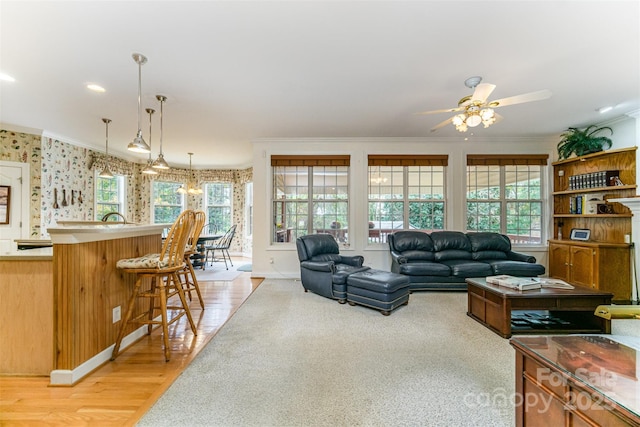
pixel 581 142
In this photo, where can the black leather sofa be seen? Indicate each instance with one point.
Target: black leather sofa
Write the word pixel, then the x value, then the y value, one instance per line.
pixel 442 260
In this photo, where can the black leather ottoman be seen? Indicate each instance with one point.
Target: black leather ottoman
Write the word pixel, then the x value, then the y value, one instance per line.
pixel 382 290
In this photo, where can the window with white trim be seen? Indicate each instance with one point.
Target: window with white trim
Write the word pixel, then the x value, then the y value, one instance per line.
pixel 166 202
pixel 218 203
pixel 310 196
pixel 406 193
pixel 505 195
pixel 110 195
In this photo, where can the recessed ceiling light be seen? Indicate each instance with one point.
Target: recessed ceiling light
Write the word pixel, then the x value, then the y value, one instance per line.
pixel 6 77
pixel 96 88
pixel 606 109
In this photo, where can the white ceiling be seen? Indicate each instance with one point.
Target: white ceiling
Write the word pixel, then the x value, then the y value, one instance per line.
pixel 234 71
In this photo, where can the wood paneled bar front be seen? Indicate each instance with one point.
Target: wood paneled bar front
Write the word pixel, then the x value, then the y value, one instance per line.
pixel 87 288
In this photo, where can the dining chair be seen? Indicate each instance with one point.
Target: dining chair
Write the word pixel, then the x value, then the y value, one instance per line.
pixel 222 244
pixel 162 271
pixel 187 274
pixel 210 233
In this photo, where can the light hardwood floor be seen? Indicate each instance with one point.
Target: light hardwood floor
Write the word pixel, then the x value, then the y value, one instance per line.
pixel 120 392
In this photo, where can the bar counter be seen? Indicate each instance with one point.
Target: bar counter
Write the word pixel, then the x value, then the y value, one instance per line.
pixel 78 291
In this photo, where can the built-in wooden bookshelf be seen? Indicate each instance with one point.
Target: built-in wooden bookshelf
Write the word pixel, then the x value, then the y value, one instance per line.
pixel 581 200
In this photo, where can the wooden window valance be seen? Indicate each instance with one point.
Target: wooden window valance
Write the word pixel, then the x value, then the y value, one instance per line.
pixel 507 159
pixel 284 160
pixel 408 160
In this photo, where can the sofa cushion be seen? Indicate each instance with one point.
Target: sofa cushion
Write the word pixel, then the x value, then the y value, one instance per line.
pixel 452 254
pixel 516 268
pixel 488 255
pixel 450 240
pixel 486 241
pixel 315 244
pixel 425 269
pixel 466 268
pixel 404 241
pixel 418 256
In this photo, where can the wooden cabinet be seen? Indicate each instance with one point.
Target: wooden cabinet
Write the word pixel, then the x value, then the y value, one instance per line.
pixel 602 266
pixel 582 188
pixel 576 381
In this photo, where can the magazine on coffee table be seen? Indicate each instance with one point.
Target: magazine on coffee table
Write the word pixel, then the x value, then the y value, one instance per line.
pixel 548 282
pixel 517 283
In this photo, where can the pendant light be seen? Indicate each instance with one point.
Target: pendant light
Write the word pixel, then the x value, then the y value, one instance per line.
pixel 106 173
pixel 191 183
pixel 149 170
pixel 138 145
pixel 160 163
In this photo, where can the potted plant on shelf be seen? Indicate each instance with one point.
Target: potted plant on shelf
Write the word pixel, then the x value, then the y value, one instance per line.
pixel 581 142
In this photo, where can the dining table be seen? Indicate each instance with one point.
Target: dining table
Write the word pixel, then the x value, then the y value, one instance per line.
pixel 199 259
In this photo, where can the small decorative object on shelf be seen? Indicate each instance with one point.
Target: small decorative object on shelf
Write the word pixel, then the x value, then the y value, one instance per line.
pixel 336 225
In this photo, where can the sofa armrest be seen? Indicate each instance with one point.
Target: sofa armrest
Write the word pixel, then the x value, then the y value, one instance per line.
pixel 328 266
pixel 356 260
pixel 397 257
pixel 517 256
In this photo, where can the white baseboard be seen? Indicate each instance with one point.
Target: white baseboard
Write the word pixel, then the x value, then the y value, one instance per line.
pixel 70 377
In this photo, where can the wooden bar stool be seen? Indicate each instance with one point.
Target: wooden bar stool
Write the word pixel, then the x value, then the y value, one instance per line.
pixel 162 269
pixel 187 274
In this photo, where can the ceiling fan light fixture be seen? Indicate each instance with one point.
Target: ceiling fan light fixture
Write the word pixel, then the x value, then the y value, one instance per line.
pixel 458 119
pixel 487 114
pixel 473 120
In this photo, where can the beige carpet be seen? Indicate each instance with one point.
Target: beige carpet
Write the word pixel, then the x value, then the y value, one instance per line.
pixel 289 358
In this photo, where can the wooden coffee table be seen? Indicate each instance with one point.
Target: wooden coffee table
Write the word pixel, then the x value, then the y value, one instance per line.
pixel 538 311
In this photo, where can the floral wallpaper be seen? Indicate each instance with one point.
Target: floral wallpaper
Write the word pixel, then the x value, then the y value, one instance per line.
pixel 26 148
pixel 67 190
pixel 62 179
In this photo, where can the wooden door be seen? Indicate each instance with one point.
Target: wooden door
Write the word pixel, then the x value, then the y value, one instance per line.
pixel 582 266
pixel 559 257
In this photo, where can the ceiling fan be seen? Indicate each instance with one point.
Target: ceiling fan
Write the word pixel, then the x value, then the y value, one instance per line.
pixel 476 109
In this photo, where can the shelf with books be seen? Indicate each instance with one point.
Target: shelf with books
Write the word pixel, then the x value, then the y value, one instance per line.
pixel 602 262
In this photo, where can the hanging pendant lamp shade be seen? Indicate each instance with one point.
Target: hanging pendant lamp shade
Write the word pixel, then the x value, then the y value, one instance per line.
pixel 191 183
pixel 138 145
pixel 160 162
pixel 148 169
pixel 106 173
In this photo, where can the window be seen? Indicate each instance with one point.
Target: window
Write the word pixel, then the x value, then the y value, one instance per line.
pixel 504 195
pixel 310 195
pixel 218 205
pixel 110 195
pixel 167 202
pixel 248 203
pixel 405 193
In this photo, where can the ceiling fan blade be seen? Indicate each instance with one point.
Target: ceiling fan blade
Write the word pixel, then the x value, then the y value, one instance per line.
pixel 447 110
pixel 519 99
pixel 482 92
pixel 441 124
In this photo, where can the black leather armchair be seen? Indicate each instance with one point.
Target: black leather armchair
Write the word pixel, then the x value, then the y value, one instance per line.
pixel 322 269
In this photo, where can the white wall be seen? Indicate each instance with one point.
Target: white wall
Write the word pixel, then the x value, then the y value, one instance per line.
pixel 285 258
